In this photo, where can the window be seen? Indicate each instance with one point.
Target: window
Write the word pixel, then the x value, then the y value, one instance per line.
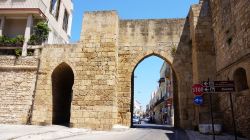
pixel 54 8
pixel 240 79
pixel 65 20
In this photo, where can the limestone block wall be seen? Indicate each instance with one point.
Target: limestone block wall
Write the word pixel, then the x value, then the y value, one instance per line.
pixel 94 64
pixel 150 32
pixel 17 86
pixel 241 101
pixel 231 31
pixel 51 57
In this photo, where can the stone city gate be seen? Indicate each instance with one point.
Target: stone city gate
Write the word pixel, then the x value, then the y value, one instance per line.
pixel 92 79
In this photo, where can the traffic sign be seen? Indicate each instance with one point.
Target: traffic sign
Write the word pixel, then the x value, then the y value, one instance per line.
pixel 218 83
pixel 224 89
pixel 208 89
pixel 197 89
pixel 198 100
pixel 218 86
pixel 224 83
pixel 207 83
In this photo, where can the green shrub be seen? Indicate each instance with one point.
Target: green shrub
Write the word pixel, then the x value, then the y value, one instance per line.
pixel 41 33
pixel 18 52
pixel 30 53
pixel 173 51
pixel 19 40
pixel 1 40
pixel 11 42
pixel 33 40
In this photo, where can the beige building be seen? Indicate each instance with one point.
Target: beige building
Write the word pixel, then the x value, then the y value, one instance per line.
pixel 18 18
pixel 161 106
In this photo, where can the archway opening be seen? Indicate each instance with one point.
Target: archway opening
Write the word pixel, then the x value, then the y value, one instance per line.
pixel 154 95
pixel 62 82
pixel 240 79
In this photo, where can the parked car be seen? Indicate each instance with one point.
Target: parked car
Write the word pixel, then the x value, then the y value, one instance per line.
pixel 146 119
pixel 136 120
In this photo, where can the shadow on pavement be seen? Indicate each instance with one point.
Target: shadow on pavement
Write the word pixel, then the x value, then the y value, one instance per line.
pixel 178 134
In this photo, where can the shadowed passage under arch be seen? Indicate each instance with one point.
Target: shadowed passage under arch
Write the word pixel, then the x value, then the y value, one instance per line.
pixel 62 82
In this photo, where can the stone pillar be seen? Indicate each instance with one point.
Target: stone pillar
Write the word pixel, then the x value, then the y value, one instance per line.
pixel 203 54
pixel 2 21
pixel 96 101
pixel 27 34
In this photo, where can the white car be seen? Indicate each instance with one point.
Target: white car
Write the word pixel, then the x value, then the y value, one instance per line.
pixel 136 120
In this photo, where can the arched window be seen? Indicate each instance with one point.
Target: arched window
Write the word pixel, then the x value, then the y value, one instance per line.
pixel 240 79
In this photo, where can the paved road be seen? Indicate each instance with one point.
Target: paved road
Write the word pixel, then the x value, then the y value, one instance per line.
pixel 140 132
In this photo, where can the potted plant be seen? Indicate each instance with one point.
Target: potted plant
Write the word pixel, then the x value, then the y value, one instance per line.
pixel 41 32
pixel 10 42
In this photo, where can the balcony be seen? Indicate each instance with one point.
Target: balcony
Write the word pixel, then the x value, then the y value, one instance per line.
pixel 7 5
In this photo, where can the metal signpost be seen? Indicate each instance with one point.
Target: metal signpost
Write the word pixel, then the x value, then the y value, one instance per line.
pixel 209 88
pixel 212 87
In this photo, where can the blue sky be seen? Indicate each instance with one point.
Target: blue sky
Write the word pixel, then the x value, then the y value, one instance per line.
pixel 130 9
pixel 148 71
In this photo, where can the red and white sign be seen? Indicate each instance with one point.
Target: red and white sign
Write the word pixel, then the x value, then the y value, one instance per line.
pixel 197 89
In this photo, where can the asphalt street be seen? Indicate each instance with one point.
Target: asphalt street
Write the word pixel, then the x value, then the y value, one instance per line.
pixel 139 132
pixel 142 131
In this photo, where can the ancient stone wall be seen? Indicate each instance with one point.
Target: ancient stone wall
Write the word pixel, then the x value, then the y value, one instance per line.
pixel 203 54
pixel 94 63
pixel 17 86
pixel 231 32
pixel 167 39
pixel 241 101
pixel 96 74
pixel 51 57
pixel 102 67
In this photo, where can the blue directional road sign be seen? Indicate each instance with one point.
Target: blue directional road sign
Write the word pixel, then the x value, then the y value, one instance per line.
pixel 198 100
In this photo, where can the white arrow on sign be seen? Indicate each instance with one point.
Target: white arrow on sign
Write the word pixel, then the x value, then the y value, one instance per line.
pixel 206 89
pixel 206 83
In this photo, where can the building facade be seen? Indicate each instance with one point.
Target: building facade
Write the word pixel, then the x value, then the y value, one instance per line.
pixel 19 17
pixel 161 107
pixel 137 108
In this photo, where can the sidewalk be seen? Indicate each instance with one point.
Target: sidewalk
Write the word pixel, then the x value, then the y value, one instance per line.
pixel 26 132
pixel 194 135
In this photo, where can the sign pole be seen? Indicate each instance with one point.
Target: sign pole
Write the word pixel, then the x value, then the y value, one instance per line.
pixel 234 125
pixel 232 108
pixel 211 112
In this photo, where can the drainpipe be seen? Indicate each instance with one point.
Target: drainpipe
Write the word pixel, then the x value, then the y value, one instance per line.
pixel 30 113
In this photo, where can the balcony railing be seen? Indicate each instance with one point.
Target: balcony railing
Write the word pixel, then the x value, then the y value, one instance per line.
pixel 23 4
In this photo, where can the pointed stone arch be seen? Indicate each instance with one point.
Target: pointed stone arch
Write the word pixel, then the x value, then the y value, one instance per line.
pixel 62 81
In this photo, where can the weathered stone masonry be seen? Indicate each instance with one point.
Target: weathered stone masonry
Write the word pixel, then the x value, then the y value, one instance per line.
pixel 17 85
pixel 90 84
pixel 103 64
